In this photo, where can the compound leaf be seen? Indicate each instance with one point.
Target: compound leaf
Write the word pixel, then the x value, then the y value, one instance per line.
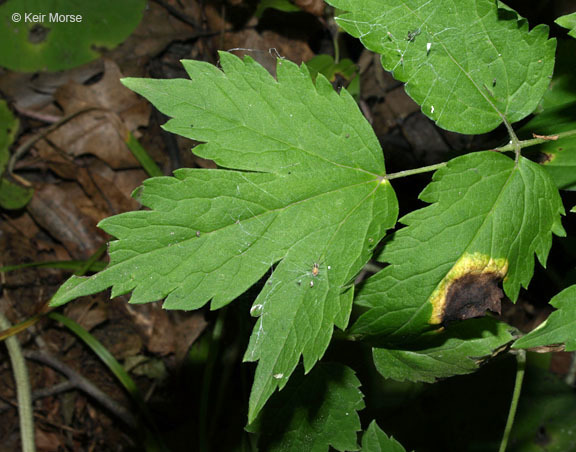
pixel 306 213
pixel 468 64
pixel 457 351
pixel 488 217
pixel 375 440
pixel 559 328
pixel 313 412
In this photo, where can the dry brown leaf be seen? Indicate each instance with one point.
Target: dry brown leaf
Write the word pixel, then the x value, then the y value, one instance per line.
pixel 400 103
pixel 157 29
pixel 86 313
pixel 315 7
pixel 188 330
pixel 266 47
pixel 166 333
pixel 68 215
pixel 154 326
pixel 35 91
pixel 110 190
pixel 101 132
pixel 47 441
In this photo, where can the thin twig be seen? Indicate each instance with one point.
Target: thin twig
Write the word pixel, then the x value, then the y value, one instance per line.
pixel 65 386
pixel 81 383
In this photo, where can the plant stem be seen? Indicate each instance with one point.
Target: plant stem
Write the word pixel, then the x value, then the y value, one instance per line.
pixel 521 361
pixel 535 141
pixel 335 37
pixel 515 145
pixel 423 169
pixel 22 380
pixel 514 141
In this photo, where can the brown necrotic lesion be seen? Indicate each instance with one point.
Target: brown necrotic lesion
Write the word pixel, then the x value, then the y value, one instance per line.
pixel 471 288
pixel 471 296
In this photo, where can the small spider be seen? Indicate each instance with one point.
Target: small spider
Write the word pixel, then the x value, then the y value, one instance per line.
pixel 315 269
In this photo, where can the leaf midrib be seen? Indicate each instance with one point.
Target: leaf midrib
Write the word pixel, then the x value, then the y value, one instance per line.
pixel 255 217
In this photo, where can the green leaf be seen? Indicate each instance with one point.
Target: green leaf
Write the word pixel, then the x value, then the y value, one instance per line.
pixel 375 440
pixel 558 156
pixel 456 351
pixel 562 89
pixel 325 65
pixel 13 196
pixel 280 5
pixel 467 63
pixel 559 328
pixel 313 412
pixel 568 21
pixel 488 218
pixel 38 40
pixel 306 213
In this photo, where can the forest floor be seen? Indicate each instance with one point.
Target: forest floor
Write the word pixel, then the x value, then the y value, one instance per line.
pixel 82 171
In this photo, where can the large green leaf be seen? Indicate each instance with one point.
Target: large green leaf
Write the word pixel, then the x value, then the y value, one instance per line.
pixel 33 38
pixel 307 212
pixel 559 328
pixel 467 63
pixel 313 412
pixel 375 440
pixel 488 218
pixel 457 351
